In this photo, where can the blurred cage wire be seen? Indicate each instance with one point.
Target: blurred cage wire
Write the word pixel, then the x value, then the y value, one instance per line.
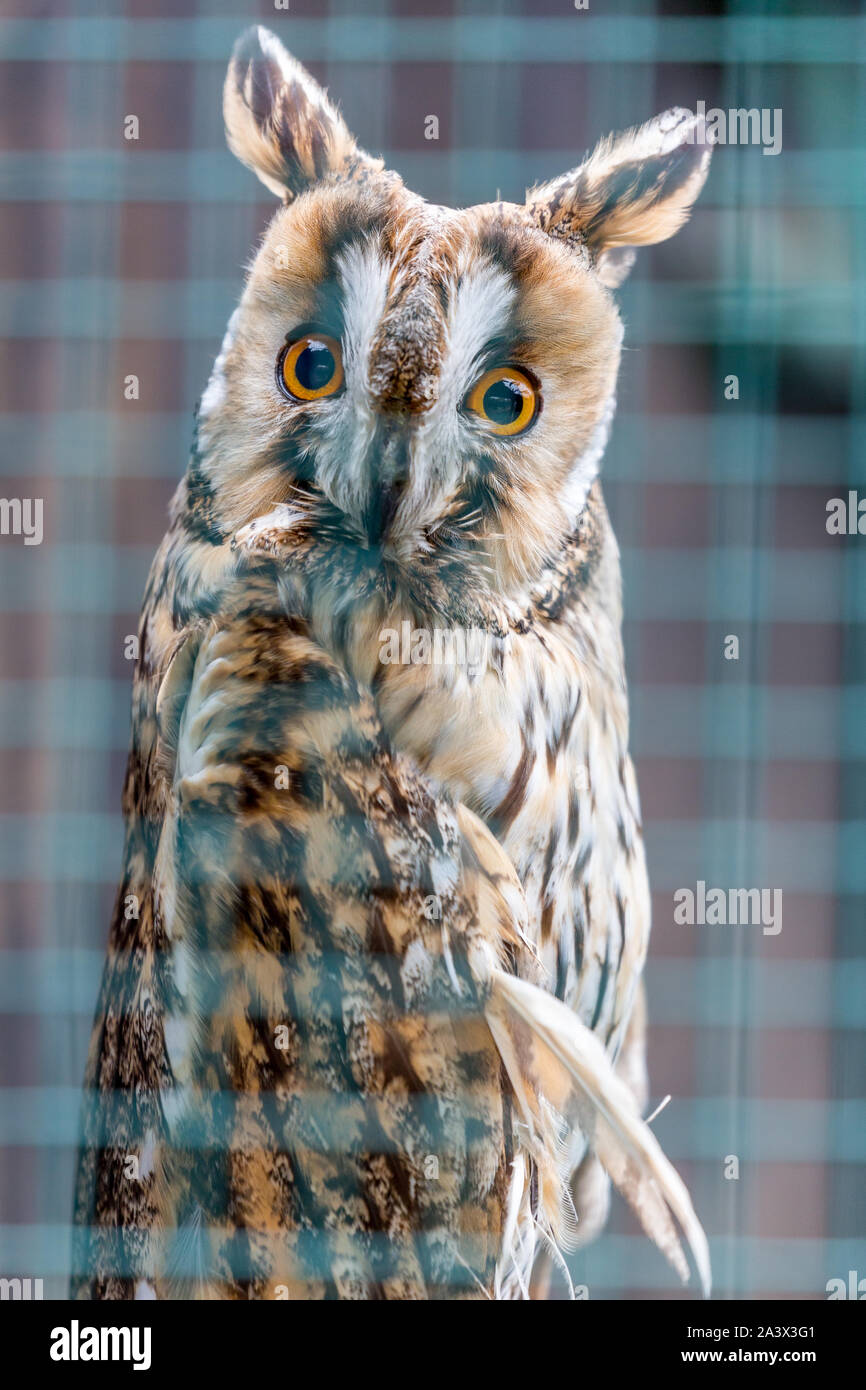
pixel 126 257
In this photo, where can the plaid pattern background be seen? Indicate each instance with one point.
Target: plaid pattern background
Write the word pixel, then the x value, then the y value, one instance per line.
pixel 125 257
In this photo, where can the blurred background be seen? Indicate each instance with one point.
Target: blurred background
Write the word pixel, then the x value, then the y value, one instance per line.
pixel 122 257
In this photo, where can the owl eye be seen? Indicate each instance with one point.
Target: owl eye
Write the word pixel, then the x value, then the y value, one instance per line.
pixel 506 399
pixel 310 367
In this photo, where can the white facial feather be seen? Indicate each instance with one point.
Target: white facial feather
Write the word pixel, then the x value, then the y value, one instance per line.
pixel 480 308
pixel 215 392
pixel 584 470
pixel 480 311
pixel 348 423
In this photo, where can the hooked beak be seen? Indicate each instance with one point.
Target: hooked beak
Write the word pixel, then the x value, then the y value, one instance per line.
pixel 389 467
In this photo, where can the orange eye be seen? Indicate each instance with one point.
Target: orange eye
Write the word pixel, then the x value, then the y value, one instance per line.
pixel 311 367
pixel 506 399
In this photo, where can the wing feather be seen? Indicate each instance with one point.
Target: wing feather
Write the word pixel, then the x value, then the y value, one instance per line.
pixel 560 1071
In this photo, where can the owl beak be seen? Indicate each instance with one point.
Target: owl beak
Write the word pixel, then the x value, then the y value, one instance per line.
pixel 381 510
pixel 390 469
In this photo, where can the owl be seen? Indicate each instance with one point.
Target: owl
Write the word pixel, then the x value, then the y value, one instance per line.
pixel 371 1024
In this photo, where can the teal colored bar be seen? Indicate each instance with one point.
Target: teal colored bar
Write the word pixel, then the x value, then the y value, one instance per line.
pixel 826 179
pixel 683 992
pixel 713 585
pixel 807 450
pixel 73 712
pixel 471 38
pixel 819 315
pixel 797 1266
pixel 774 1131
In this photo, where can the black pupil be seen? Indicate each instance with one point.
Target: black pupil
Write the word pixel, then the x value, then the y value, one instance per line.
pixel 503 402
pixel 315 366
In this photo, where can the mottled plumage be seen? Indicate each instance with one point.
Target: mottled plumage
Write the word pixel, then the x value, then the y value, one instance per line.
pixel 382 925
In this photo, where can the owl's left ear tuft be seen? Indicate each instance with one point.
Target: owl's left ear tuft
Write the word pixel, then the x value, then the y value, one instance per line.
pixel 635 189
pixel 280 123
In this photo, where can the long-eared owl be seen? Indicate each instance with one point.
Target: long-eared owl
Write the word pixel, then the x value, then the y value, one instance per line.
pixel 373 1028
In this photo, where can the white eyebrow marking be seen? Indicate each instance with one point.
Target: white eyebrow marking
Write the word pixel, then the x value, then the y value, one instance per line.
pixel 364 278
pixel 346 430
pixel 480 310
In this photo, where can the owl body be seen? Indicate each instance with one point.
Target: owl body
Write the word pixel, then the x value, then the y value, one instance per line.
pixel 391 915
pixel 538 748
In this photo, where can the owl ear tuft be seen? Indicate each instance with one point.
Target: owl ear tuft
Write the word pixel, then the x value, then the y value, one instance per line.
pixel 279 121
pixel 635 189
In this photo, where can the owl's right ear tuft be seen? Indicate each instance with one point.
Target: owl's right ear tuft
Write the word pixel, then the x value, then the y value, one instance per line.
pixel 280 123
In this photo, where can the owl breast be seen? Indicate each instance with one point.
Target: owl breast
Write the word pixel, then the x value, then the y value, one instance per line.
pixel 531 733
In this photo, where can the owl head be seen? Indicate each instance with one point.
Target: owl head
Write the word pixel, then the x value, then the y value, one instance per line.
pixel 427 387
